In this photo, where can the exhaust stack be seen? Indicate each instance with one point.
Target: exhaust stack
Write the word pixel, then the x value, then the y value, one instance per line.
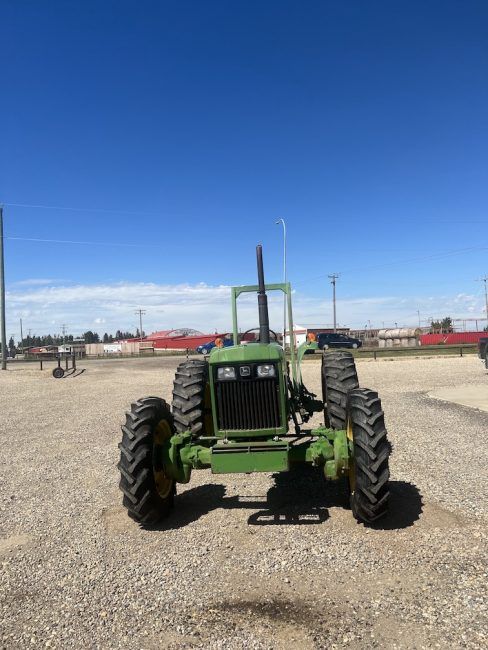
pixel 262 299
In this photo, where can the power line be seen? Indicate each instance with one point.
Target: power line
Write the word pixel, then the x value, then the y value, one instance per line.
pixel 88 243
pixel 440 255
pixel 40 206
pixel 73 209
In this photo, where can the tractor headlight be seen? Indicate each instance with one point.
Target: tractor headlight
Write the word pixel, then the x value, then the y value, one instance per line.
pixel 226 372
pixel 266 370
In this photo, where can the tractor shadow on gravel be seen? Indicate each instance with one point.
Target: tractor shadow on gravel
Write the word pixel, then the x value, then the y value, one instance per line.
pixel 405 507
pixel 298 497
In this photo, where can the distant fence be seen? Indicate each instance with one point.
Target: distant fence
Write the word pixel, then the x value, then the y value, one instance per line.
pixel 424 350
pixel 126 348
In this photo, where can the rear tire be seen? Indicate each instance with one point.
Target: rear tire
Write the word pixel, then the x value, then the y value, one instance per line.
pixel 339 376
pixel 369 472
pixel 191 398
pixel 148 492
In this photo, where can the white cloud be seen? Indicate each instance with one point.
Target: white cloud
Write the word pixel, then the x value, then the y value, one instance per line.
pixel 107 307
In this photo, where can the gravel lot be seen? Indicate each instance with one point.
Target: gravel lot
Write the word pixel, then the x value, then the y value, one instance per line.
pixel 244 561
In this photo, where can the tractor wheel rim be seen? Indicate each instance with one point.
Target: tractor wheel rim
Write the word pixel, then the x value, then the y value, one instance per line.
pixel 162 433
pixel 352 464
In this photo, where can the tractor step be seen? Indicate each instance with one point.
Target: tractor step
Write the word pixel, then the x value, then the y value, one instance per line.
pixel 247 457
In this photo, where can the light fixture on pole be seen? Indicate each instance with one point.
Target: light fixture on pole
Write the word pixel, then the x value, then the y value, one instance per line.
pixel 282 221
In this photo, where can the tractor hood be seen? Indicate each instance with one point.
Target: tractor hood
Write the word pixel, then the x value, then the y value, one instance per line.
pixel 249 352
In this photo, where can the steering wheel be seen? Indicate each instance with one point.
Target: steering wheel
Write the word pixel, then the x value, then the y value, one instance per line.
pixel 256 329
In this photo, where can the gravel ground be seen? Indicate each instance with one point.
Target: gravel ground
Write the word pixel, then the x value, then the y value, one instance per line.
pixel 244 561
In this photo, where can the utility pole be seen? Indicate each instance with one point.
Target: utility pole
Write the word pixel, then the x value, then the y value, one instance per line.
pixel 485 280
pixel 418 312
pixel 21 337
pixel 3 335
pixel 333 279
pixel 63 330
pixel 141 312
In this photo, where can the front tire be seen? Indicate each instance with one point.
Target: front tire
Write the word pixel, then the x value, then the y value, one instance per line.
pixel 148 492
pixel 339 377
pixel 369 472
pixel 191 398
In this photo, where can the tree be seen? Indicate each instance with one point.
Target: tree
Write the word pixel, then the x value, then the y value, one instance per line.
pixel 443 326
pixel 11 347
pixel 121 336
pixel 447 324
pixel 91 337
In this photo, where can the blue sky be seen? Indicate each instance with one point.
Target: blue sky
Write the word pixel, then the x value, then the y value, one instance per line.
pixel 193 126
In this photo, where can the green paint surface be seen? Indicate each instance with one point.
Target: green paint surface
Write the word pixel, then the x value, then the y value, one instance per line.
pixel 249 457
pixel 246 353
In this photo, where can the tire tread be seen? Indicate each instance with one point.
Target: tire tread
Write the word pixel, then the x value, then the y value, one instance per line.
pixel 339 377
pixel 188 405
pixel 140 496
pixel 369 501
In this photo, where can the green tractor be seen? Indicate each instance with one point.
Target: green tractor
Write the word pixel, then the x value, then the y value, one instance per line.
pixel 243 410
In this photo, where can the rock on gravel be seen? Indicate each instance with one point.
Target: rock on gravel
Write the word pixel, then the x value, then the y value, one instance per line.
pixel 255 561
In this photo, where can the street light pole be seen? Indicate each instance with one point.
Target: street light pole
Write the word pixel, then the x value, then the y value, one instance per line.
pixel 3 334
pixel 333 279
pixel 282 221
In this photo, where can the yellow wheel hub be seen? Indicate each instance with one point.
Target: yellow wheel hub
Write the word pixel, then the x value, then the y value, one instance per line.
pixel 352 464
pixel 161 434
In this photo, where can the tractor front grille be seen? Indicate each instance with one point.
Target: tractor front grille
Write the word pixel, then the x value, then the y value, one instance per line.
pixel 248 405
